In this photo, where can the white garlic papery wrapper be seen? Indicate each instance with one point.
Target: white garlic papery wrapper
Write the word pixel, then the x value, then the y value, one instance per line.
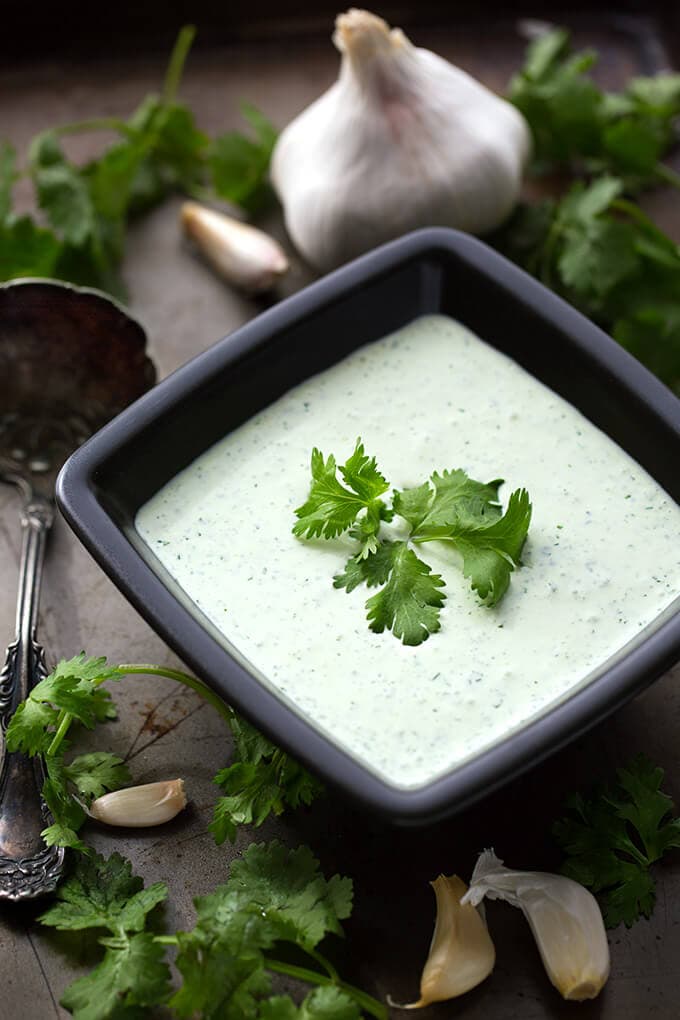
pixel 402 140
pixel 564 917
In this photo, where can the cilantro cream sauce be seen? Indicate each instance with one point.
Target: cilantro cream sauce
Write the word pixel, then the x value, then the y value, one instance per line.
pixel 601 562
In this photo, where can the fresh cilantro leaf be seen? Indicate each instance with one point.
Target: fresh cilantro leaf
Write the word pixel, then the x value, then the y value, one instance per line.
pixel 491 553
pixel 454 498
pixel 409 603
pixel 31 728
pixel 26 249
pixel 574 122
pixel 450 506
pixel 64 196
pixel 67 813
pixel 372 570
pixel 331 508
pixel 85 667
pixel 132 974
pixel 263 780
pixel 103 893
pixel 239 165
pixel 218 983
pixel 612 838
pixel 95 773
pixel 326 1003
pixel 59 834
pixel 276 894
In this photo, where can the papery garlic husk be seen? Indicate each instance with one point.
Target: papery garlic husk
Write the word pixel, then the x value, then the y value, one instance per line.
pixel 403 139
pixel 140 806
pixel 242 255
pixel 564 918
pixel 461 953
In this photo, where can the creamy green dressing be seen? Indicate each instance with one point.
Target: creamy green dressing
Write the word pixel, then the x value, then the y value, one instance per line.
pixel 602 559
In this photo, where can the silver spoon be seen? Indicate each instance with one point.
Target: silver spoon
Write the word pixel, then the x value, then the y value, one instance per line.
pixel 70 360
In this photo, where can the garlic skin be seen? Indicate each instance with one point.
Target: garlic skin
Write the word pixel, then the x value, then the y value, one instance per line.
pixel 461 953
pixel 564 917
pixel 403 139
pixel 242 255
pixel 140 806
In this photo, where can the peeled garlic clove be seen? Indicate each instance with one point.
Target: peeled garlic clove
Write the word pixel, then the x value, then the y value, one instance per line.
pixel 403 139
pixel 243 255
pixel 140 806
pixel 461 953
pixel 564 918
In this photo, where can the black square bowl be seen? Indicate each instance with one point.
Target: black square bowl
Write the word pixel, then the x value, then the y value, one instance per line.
pixel 104 484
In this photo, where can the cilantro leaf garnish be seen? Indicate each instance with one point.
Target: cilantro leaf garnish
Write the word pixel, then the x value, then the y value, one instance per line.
pixel 614 836
pixel 409 603
pixel 332 507
pixel 449 507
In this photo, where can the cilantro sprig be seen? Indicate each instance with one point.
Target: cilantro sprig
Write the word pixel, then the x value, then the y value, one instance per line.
pixel 594 245
pixel 261 780
pixel 613 837
pixel 274 898
pixel 449 507
pixel 159 149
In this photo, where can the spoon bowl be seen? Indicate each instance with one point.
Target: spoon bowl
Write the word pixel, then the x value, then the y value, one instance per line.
pixel 70 360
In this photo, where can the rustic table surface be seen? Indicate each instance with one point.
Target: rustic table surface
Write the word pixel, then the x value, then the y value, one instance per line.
pixel 163 731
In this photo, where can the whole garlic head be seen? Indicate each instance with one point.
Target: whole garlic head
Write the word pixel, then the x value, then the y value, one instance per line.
pixel 403 139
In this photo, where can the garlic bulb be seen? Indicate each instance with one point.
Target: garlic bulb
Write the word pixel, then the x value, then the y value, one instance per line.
pixel 461 953
pixel 403 139
pixel 140 806
pixel 564 918
pixel 242 255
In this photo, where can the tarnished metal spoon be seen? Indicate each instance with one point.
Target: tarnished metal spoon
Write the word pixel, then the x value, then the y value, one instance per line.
pixel 70 360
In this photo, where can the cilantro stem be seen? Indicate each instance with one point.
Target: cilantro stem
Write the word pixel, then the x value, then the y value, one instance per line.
pixel 64 720
pixel 178 57
pixel 325 963
pixel 641 218
pixel 93 124
pixel 365 1001
pixel 192 682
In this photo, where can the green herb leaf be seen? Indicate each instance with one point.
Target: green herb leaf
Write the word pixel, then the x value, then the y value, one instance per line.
pixel 31 728
pixel 331 508
pixel 218 982
pixel 322 1004
pixel 103 893
pixel 490 554
pixel 26 249
pixel 262 781
pixel 95 773
pixel 239 165
pixel 613 837
pixel 454 498
pixel 276 894
pixel 409 603
pixel 133 974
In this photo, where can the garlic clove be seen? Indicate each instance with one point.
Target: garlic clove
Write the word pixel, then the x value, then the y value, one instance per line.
pixel 461 953
pixel 564 917
pixel 243 255
pixel 140 806
pixel 403 139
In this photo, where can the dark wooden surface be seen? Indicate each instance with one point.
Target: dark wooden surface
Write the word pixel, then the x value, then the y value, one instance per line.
pixel 163 731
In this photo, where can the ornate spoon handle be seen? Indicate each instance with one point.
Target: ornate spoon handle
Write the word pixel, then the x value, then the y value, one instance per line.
pixel 27 867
